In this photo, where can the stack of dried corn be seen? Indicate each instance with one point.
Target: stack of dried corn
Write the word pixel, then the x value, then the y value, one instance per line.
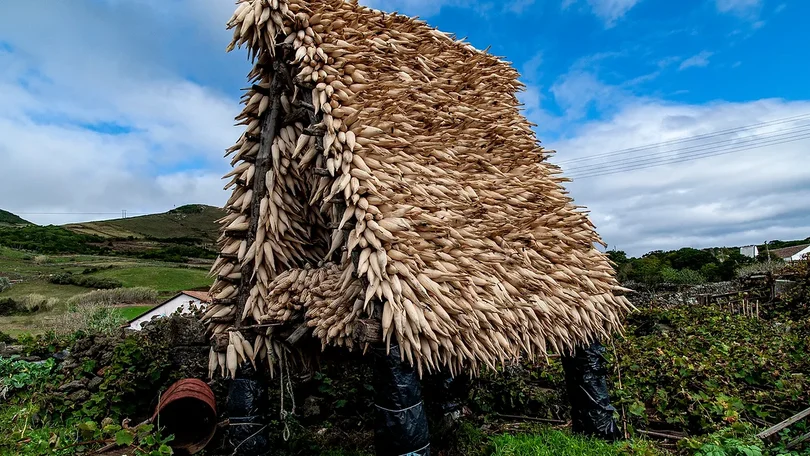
pixel 412 155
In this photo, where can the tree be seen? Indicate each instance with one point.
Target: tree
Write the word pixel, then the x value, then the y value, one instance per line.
pixel 689 258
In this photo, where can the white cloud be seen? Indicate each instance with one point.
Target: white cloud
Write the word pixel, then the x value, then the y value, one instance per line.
pixel 738 6
pixel 700 60
pixel 531 69
pixel 740 198
pixel 99 114
pixel 607 10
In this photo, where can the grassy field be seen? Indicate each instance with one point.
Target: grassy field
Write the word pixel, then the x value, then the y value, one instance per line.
pixel 163 279
pixel 193 221
pixel 33 272
pixel 133 311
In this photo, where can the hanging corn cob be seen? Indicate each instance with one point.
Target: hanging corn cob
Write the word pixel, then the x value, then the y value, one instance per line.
pixel 387 164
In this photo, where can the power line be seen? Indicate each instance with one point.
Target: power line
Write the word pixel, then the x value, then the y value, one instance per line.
pixel 126 213
pixel 688 139
pixel 695 149
pixel 714 153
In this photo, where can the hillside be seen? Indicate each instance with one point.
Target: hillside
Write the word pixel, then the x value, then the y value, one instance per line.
pixel 7 218
pixel 194 221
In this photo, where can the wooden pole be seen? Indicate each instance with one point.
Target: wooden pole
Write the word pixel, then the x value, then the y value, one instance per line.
pixel 794 419
pixel 263 161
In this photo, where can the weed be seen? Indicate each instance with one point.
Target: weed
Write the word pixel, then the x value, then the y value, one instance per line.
pixel 137 295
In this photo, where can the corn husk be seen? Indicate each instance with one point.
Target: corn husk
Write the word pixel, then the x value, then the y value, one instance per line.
pixel 423 167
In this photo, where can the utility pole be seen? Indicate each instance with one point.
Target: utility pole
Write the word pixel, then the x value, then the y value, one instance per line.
pixel 768 252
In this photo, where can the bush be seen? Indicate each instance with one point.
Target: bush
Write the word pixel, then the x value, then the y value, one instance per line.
pixel 100 283
pixel 49 240
pixel 41 259
pixel 90 318
pixel 27 304
pixel 5 284
pixel 35 302
pixel 137 295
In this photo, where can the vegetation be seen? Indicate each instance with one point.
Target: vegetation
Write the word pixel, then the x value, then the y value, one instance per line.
pixel 163 279
pixel 90 318
pixel 557 443
pixel 194 221
pixel 686 266
pixel 101 283
pixel 49 239
pixel 36 422
pixel 7 218
pixel 27 304
pixel 132 312
pixel 5 284
pixel 137 295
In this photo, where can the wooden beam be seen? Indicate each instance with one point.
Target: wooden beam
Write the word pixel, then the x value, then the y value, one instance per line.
pixel 368 331
pixel 263 162
pixel 793 419
pixel 298 334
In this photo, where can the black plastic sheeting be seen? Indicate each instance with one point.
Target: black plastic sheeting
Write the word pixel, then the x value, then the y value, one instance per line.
pixel 401 426
pixel 586 382
pixel 247 399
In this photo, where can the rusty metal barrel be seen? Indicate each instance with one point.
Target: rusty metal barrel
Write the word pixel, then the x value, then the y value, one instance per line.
pixel 188 411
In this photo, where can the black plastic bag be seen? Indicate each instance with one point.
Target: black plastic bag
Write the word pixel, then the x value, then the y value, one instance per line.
pixel 247 399
pixel 586 383
pixel 401 422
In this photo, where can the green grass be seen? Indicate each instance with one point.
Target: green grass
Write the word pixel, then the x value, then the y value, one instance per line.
pixel 130 313
pixel 162 279
pixel 62 292
pixel 192 221
pixel 558 443
pixel 7 218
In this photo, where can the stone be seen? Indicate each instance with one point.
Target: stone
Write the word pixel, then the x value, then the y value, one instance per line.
pixel 72 386
pixel 94 383
pixel 79 396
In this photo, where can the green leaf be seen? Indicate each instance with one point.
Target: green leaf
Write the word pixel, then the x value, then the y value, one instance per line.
pixel 165 450
pixel 124 438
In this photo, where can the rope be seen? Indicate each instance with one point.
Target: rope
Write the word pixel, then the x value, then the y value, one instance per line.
pixel 400 410
pixel 251 436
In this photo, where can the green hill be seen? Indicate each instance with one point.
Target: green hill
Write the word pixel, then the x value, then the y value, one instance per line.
pixel 192 222
pixel 7 218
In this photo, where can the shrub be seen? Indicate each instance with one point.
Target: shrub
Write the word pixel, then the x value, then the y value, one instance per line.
pixel 41 259
pixel 137 295
pixel 49 240
pixel 8 306
pixel 35 302
pixel 90 318
pixel 760 268
pixel 27 304
pixel 100 283
pixel 5 284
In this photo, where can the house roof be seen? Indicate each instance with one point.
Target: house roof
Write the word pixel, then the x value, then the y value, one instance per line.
pixel 788 252
pixel 202 296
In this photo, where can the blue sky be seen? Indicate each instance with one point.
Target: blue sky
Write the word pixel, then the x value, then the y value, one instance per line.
pixel 116 104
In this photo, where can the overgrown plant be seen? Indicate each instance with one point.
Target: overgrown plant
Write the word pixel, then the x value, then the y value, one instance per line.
pixel 136 295
pixel 91 318
pixel 5 284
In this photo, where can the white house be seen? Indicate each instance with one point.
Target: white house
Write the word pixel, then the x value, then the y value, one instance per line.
pixel 795 253
pixel 751 251
pixel 183 302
